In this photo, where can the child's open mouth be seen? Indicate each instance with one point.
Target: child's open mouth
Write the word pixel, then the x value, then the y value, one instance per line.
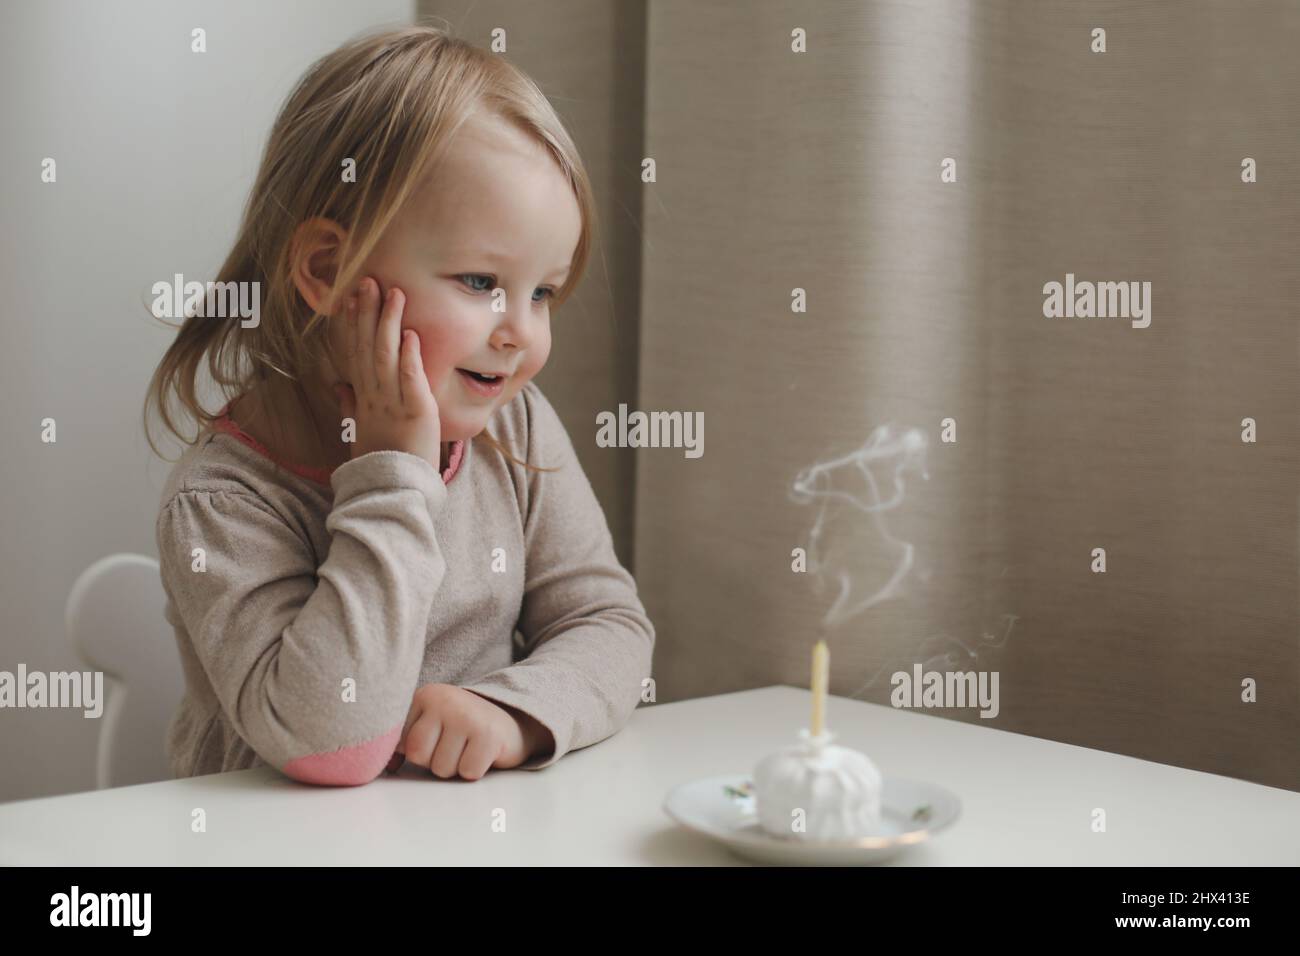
pixel 482 384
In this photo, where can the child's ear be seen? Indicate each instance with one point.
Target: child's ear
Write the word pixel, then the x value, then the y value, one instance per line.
pixel 313 263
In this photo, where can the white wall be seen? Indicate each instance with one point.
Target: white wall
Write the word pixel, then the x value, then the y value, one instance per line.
pixel 156 149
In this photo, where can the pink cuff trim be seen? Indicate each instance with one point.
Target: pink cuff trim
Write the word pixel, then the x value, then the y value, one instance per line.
pixel 453 461
pixel 320 476
pixel 349 767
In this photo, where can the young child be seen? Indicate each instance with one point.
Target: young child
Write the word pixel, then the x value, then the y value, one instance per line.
pixel 346 551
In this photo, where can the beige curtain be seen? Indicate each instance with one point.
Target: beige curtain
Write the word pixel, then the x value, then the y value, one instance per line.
pixel 821 171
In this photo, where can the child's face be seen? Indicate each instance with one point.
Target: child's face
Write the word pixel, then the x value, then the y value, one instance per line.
pixel 495 191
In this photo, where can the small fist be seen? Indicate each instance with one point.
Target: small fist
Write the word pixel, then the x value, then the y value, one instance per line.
pixel 453 731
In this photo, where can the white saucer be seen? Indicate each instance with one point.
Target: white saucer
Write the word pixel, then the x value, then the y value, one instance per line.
pixel 723 808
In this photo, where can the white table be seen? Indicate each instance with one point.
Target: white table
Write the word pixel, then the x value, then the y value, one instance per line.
pixel 1024 801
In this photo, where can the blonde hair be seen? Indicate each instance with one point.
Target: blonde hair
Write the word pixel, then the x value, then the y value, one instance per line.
pixel 393 101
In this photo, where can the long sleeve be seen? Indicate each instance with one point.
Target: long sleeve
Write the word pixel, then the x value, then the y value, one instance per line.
pixel 313 667
pixel 588 640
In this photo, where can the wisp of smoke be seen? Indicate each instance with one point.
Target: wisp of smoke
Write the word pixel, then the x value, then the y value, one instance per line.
pixel 892 454
pixel 818 483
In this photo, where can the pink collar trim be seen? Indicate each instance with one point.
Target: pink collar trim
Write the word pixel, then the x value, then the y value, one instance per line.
pixel 224 423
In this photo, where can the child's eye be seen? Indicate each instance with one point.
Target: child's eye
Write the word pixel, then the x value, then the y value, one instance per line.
pixel 491 284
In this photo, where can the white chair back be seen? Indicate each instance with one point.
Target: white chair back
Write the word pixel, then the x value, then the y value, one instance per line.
pixel 115 622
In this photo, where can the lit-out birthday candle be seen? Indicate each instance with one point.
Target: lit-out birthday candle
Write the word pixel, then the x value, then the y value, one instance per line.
pixel 821 671
pixel 835 791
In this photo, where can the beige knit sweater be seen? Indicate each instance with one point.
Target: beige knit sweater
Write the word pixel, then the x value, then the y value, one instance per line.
pixel 308 607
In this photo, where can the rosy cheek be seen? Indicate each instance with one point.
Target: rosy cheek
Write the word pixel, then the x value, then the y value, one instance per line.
pixel 539 359
pixel 433 346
